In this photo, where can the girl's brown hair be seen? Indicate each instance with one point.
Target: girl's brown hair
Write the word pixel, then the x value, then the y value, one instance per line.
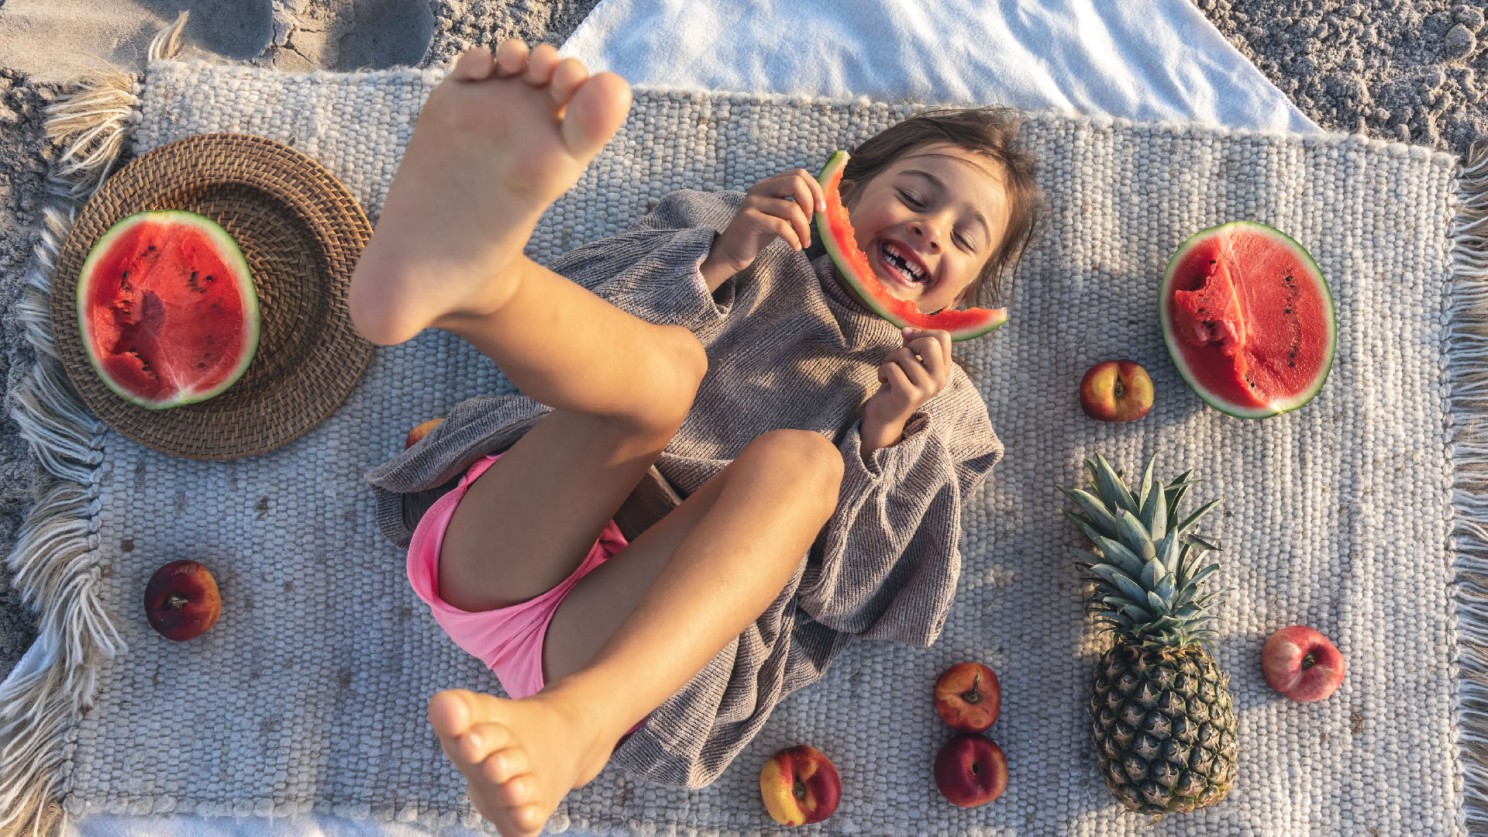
pixel 991 132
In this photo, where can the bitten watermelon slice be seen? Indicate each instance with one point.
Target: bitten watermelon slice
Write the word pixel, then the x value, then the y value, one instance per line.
pixel 837 235
pixel 167 309
pixel 1248 319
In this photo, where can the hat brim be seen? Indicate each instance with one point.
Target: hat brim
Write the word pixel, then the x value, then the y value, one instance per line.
pixel 301 232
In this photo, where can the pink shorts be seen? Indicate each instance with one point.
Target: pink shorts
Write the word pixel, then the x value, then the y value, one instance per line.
pixel 508 640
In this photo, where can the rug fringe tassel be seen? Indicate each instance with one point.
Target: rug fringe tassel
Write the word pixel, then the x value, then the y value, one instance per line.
pixel 56 562
pixel 88 128
pixel 90 125
pixel 1468 346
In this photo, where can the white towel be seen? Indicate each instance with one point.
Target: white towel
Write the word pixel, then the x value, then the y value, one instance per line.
pixel 1149 60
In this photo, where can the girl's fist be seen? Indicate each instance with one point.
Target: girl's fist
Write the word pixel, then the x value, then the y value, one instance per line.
pixel 910 375
pixel 776 207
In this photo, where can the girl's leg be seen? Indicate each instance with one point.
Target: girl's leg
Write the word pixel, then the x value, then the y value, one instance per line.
pixel 496 143
pixel 640 626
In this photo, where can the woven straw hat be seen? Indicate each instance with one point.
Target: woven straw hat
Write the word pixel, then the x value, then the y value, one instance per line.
pixel 301 232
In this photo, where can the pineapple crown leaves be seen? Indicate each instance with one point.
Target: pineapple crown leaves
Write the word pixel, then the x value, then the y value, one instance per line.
pixel 1146 563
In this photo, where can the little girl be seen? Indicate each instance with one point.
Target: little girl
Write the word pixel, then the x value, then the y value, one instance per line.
pixel 822 452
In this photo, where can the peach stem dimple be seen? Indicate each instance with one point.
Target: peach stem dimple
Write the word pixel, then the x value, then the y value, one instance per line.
pixel 972 695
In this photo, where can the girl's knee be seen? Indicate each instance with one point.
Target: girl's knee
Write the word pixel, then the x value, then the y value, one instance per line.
pixel 692 358
pixel 670 381
pixel 803 459
pixel 690 364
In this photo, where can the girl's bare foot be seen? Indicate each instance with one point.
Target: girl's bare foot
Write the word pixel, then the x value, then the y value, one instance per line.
pixel 497 142
pixel 519 757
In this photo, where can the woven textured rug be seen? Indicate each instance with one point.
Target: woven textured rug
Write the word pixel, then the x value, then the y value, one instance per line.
pixel 1360 514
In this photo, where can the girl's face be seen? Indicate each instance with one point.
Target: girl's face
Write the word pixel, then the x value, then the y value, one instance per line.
pixel 929 222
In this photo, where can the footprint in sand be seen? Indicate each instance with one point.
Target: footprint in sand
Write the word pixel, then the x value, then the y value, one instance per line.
pixel 346 35
pixel 56 40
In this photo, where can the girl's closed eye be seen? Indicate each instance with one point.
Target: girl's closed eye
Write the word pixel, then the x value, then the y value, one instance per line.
pixel 914 202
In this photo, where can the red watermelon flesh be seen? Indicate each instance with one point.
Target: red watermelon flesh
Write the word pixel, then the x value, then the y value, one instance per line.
pixel 835 228
pixel 167 309
pixel 1249 319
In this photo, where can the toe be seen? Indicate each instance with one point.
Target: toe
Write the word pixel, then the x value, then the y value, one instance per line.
pixel 450 713
pixel 511 58
pixel 481 740
pixel 506 764
pixel 541 64
pixel 569 74
pixel 528 817
pixel 595 113
pixel 518 791
pixel 475 64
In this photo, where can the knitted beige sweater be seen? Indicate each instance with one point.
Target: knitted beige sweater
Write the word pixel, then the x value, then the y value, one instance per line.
pixel 788 347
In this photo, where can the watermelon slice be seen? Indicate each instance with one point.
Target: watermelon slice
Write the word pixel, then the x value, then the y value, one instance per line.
pixel 1248 319
pixel 837 234
pixel 167 309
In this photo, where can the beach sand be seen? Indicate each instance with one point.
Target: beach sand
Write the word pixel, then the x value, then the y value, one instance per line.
pixel 1406 70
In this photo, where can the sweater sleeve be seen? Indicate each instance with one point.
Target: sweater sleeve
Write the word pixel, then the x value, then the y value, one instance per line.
pixel 887 562
pixel 653 270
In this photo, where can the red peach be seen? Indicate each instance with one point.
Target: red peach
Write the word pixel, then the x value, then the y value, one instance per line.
pixel 1116 390
pixel 971 770
pixel 1302 664
pixel 181 600
pixel 418 433
pixel 968 697
pixel 800 785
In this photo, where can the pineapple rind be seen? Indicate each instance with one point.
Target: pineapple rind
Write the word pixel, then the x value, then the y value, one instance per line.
pixel 1163 721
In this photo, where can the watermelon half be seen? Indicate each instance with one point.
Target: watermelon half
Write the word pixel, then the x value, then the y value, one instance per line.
pixel 837 234
pixel 167 310
pixel 1248 319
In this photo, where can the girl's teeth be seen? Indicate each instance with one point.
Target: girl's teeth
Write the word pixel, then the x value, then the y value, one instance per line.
pixel 900 265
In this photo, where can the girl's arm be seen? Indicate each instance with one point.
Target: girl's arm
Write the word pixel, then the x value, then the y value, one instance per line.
pixel 776 207
pixel 887 563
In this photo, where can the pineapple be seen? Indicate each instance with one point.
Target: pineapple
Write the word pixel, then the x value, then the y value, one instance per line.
pixel 1161 711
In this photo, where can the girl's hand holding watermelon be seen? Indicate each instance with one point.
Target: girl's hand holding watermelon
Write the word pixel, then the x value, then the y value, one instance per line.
pixel 776 207
pixel 909 376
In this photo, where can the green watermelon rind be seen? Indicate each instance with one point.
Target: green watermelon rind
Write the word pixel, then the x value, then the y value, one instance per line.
pixel 1169 338
pixel 835 164
pixel 231 254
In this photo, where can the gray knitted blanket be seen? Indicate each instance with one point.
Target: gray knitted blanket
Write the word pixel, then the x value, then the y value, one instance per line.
pixel 1361 514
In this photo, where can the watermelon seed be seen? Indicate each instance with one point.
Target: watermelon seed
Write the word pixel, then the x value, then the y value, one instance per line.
pixel 1291 363
pixel 1212 261
pixel 150 249
pixel 1286 310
